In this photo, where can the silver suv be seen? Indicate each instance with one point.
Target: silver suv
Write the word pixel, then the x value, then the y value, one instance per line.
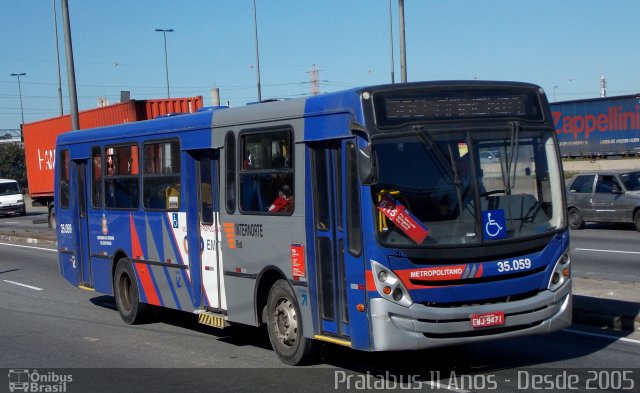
pixel 604 197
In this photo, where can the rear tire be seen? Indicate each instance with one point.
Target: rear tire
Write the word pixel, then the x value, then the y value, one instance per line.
pixel 575 219
pixel 125 288
pixel 636 220
pixel 285 326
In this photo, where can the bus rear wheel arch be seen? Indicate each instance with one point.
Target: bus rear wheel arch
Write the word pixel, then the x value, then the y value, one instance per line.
pixel 127 294
pixel 285 328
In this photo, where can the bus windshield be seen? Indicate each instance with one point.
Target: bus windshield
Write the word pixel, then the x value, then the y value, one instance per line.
pixel 454 187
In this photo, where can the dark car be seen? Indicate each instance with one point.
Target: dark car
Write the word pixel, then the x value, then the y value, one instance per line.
pixel 604 197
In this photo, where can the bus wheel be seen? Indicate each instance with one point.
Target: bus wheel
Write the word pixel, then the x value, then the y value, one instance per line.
pixel 285 326
pixel 125 288
pixel 51 220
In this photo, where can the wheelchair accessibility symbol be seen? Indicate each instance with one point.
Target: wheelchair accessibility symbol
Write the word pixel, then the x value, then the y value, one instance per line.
pixel 493 224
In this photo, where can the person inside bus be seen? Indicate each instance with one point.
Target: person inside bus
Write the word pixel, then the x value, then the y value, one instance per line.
pixel 444 201
pixel 110 194
pixel 157 199
pixel 283 202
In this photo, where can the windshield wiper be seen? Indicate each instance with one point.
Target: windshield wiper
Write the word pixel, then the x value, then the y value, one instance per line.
pixel 512 162
pixel 450 170
pixel 512 159
pixel 457 181
pixel 431 145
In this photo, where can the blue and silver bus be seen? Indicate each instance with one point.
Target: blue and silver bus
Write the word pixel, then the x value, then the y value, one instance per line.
pixel 392 217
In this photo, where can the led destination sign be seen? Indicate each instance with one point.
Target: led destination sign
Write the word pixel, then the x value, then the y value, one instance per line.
pixel 393 109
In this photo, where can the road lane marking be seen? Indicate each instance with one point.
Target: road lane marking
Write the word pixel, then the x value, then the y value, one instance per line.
pixel 616 338
pixel 32 247
pixel 24 285
pixel 616 251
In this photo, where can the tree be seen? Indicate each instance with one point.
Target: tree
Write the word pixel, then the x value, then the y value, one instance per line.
pixel 12 164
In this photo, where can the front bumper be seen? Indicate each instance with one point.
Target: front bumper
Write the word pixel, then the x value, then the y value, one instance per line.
pixel 395 327
pixel 12 208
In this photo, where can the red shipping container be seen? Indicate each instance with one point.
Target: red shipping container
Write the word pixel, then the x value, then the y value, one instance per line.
pixel 40 137
pixel 155 108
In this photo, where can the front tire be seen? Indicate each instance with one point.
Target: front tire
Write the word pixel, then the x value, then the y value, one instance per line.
pixel 125 288
pixel 636 220
pixel 575 219
pixel 51 219
pixel 285 326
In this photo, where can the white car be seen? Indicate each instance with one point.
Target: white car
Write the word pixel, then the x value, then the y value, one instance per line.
pixel 11 198
pixel 489 156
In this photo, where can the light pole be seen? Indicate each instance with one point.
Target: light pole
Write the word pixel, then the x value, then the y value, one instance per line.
pixel 55 30
pixel 71 68
pixel 403 50
pixel 20 92
pixel 255 33
pixel 554 92
pixel 393 79
pixel 166 65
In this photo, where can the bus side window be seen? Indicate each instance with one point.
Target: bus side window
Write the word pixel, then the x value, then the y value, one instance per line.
pixel 266 177
pixel 230 173
pixel 122 184
pixel 354 230
pixel 64 179
pixel 161 175
pixel 96 177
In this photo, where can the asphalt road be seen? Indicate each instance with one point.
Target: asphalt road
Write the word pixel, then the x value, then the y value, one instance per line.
pixel 609 252
pixel 34 222
pixel 47 324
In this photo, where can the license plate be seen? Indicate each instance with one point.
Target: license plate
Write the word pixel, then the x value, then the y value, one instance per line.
pixel 495 318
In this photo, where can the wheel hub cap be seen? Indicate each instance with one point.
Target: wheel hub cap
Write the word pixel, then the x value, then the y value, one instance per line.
pixel 286 322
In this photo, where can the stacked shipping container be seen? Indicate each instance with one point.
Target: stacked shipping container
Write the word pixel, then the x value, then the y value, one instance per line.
pixel 40 136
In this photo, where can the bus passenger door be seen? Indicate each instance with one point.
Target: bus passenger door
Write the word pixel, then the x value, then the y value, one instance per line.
pixel 208 217
pixel 81 221
pixel 333 263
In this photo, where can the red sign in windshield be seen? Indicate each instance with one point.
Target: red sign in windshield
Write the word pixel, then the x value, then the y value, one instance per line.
pixel 403 219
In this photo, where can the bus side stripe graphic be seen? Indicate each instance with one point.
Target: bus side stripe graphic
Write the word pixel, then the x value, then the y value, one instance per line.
pixel 182 280
pixel 136 248
pixel 167 244
pixel 143 273
pixel 156 283
pixel 173 290
pixel 147 284
pixel 152 249
pixel 479 274
pixel 206 297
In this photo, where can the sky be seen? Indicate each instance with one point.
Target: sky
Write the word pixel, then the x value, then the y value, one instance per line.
pixel 565 46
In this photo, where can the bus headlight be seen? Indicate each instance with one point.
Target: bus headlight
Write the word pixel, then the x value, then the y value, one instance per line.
pixel 389 285
pixel 561 272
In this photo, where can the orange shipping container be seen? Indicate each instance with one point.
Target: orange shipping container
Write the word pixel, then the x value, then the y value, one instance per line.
pixel 40 137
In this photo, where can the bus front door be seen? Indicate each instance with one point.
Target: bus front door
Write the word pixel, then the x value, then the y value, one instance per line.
pixel 81 221
pixel 330 240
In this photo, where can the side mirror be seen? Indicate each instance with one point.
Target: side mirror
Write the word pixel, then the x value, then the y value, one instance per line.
pixel 367 170
pixel 615 189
